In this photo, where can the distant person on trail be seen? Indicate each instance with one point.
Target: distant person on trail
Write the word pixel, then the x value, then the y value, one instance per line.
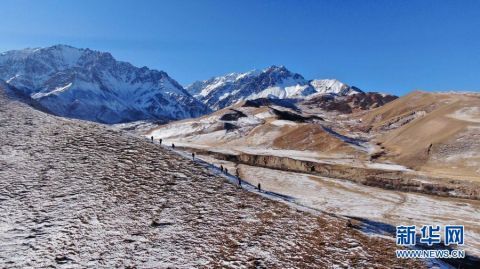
pixel 237 174
pixel 226 170
pixel 193 156
pixel 160 141
pixel 173 146
pixel 152 138
pixel 259 187
pixel 221 168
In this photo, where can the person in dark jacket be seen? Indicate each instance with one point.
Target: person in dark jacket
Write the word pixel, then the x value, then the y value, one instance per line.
pixel 152 138
pixel 259 187
pixel 173 146
pixel 193 156
pixel 160 141
pixel 237 173
pixel 221 168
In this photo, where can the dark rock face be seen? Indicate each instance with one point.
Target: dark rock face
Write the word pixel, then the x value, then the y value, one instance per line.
pixel 233 116
pixel 287 115
pixel 287 103
pixel 229 126
pixel 369 100
pixel 329 103
pixel 350 103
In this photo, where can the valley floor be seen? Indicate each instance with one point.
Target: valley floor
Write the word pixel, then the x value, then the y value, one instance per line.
pixel 358 201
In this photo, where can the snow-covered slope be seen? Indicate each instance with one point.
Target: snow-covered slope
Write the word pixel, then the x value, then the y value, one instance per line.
pixel 272 82
pixel 203 88
pixel 92 85
pixel 333 86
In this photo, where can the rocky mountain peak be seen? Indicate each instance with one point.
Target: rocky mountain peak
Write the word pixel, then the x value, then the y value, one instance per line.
pixel 276 82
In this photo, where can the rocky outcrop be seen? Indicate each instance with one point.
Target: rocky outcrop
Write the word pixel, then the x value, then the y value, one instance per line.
pixel 287 103
pixel 291 116
pixel 233 116
pixel 349 103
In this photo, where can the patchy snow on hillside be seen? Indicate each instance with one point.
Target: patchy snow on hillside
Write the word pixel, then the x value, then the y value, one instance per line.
pixel 282 123
pixel 75 194
pixel 354 200
pixel 471 114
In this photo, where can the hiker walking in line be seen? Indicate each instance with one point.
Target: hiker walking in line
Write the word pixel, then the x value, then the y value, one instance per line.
pixel 152 138
pixel 193 156
pixel 173 146
pixel 226 170
pixel 259 187
pixel 221 168
pixel 237 174
pixel 160 141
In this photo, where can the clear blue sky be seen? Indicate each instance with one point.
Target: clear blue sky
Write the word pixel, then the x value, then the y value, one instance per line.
pixel 390 46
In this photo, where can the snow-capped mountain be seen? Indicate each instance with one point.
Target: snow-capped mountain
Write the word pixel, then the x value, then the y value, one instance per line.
pixel 273 82
pixel 92 85
pixel 202 88
pixel 333 86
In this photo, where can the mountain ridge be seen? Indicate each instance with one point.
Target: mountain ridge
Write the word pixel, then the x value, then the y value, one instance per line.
pixel 272 82
pixel 93 85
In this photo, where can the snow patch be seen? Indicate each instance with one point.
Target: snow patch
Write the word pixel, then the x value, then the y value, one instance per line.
pixel 282 123
pixel 56 91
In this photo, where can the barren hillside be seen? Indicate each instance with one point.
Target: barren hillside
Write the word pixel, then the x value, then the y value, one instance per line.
pixel 434 132
pixel 262 127
pixel 76 194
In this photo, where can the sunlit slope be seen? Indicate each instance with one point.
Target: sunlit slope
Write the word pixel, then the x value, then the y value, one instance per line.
pixel 244 127
pixel 436 132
